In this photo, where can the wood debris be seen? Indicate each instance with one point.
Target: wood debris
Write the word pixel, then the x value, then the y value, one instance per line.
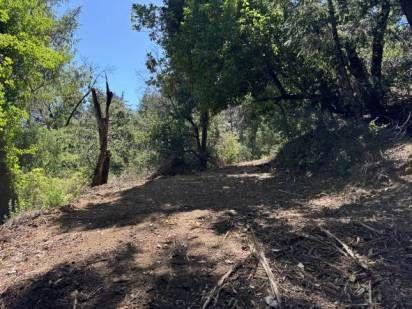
pixel 214 293
pixel 355 256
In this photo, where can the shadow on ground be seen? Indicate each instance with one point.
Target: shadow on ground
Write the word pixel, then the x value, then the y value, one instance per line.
pixel 311 267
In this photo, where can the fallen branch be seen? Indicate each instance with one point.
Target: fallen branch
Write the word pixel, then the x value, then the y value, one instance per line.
pixel 403 127
pixel 310 237
pixel 219 285
pixel 370 228
pixel 288 192
pixel 347 249
pixel 370 300
pixel 260 255
pixel 361 305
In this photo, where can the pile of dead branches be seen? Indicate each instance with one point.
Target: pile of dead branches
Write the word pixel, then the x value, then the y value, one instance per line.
pixel 358 267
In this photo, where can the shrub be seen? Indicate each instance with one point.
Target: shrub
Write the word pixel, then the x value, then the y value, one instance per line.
pixel 37 190
pixel 336 149
pixel 228 148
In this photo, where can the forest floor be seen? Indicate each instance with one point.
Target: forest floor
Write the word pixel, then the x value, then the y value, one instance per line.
pixel 165 243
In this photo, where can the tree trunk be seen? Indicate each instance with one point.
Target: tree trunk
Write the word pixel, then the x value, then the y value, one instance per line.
pixel 363 86
pixel 406 6
pixel 203 152
pixel 377 55
pixel 7 195
pixel 101 173
pixel 378 41
pixel 201 137
pixel 339 55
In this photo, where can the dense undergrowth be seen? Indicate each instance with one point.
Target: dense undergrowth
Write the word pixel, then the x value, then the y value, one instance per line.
pixel 61 170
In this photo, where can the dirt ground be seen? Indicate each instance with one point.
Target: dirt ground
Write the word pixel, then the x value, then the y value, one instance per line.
pixel 165 243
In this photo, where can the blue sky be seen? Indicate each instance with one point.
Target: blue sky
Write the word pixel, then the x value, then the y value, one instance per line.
pixel 106 40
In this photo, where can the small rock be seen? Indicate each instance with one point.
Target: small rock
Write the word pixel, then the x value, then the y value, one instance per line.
pixel 11 272
pixel 271 302
pixel 19 257
pixel 232 212
pixel 122 278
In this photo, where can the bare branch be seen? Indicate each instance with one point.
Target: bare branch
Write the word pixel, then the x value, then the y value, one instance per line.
pixel 90 86
pixel 77 106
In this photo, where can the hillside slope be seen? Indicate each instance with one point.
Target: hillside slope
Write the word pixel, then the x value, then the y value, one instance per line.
pixel 165 243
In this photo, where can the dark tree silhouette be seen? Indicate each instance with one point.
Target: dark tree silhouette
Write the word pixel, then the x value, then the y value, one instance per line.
pixel 101 173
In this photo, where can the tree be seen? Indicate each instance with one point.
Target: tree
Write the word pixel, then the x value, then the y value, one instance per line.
pixel 324 56
pixel 29 52
pixel 194 60
pixel 101 173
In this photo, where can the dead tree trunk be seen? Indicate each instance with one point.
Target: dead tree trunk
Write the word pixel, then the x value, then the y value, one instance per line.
pixel 101 173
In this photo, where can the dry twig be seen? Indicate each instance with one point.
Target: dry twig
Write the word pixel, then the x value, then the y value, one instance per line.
pixel 347 249
pixel 370 300
pixel 370 228
pixel 219 285
pixel 260 255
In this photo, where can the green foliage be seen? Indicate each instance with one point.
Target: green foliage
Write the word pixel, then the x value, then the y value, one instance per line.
pixel 37 190
pixel 375 128
pixel 165 138
pixel 29 55
pixel 237 80
pixel 299 60
pixel 229 148
pixel 337 148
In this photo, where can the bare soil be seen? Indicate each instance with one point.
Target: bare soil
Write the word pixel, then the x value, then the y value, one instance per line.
pixel 166 242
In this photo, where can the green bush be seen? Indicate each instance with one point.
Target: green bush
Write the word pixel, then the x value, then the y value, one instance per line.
pixel 228 148
pixel 37 190
pixel 335 148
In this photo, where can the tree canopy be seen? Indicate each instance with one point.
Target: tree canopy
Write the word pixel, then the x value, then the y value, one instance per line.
pixel 350 58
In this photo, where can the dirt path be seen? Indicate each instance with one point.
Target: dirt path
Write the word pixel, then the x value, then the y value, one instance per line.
pixel 165 243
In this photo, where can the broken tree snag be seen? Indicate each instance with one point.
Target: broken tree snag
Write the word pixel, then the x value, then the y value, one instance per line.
pixel 101 173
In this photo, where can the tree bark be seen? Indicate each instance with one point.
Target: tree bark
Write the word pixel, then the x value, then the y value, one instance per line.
pixel 406 6
pixel 378 41
pixel 101 173
pixel 363 86
pixel 203 152
pixel 340 57
pixel 201 137
pixel 377 56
